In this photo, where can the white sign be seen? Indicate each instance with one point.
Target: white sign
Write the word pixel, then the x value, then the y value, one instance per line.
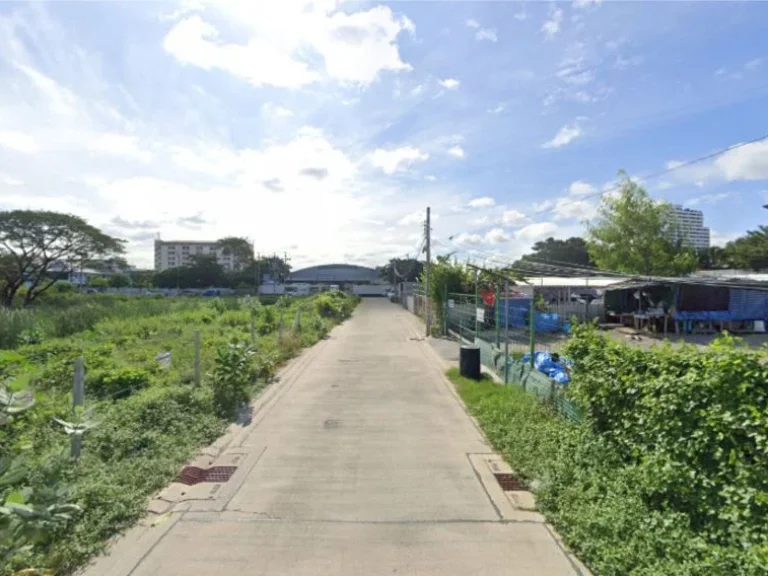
pixel 451 303
pixel 480 314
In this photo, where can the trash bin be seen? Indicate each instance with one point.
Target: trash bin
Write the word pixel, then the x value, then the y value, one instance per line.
pixel 469 362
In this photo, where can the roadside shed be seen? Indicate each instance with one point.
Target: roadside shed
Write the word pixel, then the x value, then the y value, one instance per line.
pixel 691 304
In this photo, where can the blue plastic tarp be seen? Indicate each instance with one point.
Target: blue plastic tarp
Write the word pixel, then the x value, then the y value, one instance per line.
pixel 748 304
pixel 543 362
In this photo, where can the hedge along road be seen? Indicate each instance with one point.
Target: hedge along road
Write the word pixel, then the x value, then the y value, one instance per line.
pixel 361 460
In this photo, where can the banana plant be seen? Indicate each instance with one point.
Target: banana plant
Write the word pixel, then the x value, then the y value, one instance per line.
pixel 76 430
pixel 13 403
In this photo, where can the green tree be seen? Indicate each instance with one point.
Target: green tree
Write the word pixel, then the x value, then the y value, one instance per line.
pixel 635 234
pixel 749 251
pixel 712 258
pixel 571 251
pixel 119 281
pixel 32 241
pixel 401 270
pixel 446 278
pixel 98 282
pixel 240 249
pixel 202 272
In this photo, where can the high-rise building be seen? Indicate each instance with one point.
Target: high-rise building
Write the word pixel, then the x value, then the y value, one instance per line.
pixel 690 227
pixel 175 253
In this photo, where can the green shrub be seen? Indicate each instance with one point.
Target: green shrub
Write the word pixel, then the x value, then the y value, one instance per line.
pixel 232 377
pixel 117 382
pixel 695 423
pixel 595 500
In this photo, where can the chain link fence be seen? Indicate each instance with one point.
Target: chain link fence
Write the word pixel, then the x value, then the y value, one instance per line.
pixel 512 330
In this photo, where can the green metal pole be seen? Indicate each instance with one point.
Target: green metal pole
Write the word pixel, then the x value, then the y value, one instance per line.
pixel 506 334
pixel 498 318
pixel 532 324
pixel 476 321
pixel 445 310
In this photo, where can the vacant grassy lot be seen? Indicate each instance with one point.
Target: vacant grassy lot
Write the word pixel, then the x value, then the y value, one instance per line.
pixel 149 419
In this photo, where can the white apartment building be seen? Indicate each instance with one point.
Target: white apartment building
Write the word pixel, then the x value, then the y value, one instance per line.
pixel 690 225
pixel 175 253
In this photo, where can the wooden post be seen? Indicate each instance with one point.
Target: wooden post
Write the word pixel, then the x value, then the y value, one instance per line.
pixel 197 358
pixel 253 330
pixel 78 399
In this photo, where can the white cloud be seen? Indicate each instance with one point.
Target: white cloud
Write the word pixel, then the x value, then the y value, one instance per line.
pixel 496 236
pixel 536 232
pixel 753 64
pixel 623 63
pixel 722 238
pixel 480 221
pixel 430 177
pixel 512 217
pixel 543 206
pixel 416 217
pixel 582 4
pixel 488 34
pixel 520 16
pixel 466 239
pixel 708 199
pixel 18 141
pixel 397 159
pixel 567 208
pixel 9 181
pixel 720 71
pixel 552 26
pixel 284 40
pixel 119 145
pixel 449 83
pixel 456 151
pixel 749 162
pixel 483 202
pixel 472 23
pixel 565 135
pixel 580 188
pixel 278 111
pixel 498 109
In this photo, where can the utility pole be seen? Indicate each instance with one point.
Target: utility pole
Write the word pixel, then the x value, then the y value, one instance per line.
pixel 257 279
pixel 427 232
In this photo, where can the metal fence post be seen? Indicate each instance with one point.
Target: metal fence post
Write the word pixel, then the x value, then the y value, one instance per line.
pixel 78 399
pixel 477 273
pixel 197 358
pixel 498 318
pixel 506 334
pixel 532 324
pixel 446 311
pixel 253 330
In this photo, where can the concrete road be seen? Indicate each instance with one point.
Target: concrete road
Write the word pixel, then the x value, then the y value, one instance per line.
pixel 360 461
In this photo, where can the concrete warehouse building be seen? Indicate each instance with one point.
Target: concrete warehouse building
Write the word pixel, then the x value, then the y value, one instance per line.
pixel 339 274
pixel 176 253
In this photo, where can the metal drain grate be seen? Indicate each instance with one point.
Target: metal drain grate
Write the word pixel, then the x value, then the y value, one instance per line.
pixel 510 482
pixel 192 475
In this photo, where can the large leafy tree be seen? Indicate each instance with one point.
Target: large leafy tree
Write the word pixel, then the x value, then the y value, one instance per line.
pixel 572 251
pixel 636 235
pixel 240 249
pixel 749 251
pixel 401 270
pixel 202 272
pixel 31 242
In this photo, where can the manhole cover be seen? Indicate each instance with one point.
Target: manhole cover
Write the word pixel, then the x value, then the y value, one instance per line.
pixel 331 423
pixel 192 475
pixel 510 482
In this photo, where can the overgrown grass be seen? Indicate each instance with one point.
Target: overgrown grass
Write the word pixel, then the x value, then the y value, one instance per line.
pixel 593 496
pixel 151 418
pixel 60 315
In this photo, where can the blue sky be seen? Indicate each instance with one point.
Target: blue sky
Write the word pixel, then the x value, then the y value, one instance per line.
pixel 325 128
